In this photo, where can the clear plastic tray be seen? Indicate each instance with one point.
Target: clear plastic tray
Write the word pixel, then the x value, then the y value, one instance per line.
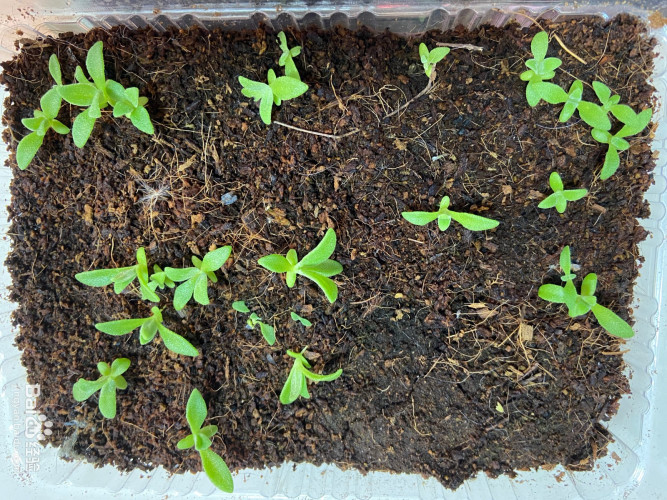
pixel 634 465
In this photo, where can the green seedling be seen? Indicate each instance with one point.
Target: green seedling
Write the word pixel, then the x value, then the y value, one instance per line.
pixel 540 68
pixel 195 279
pixel 580 304
pixel 300 319
pixel 430 58
pixel 42 120
pixel 287 57
pixel 560 196
pixel 122 277
pixel 200 438
pixel 444 215
pixel 110 380
pixel 296 384
pixel 633 123
pixel 268 332
pixel 149 328
pixel 315 266
pixel 278 89
pixel 99 93
pixel 159 279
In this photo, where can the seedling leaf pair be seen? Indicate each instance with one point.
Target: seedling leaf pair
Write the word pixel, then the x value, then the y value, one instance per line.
pixel 99 93
pixel 122 277
pixel 287 57
pixel 297 381
pixel 540 68
pixel 580 304
pixel 315 266
pixel 42 120
pixel 268 332
pixel 560 196
pixel 430 58
pixel 195 279
pixel 200 439
pixel 110 380
pixel 149 328
pixel 277 90
pixel 445 216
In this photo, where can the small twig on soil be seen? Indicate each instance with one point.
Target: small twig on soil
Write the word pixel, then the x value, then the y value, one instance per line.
pixel 560 42
pixel 414 419
pixel 466 46
pixel 428 87
pixel 321 134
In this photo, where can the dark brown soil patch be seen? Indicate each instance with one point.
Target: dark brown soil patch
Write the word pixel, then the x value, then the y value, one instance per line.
pixel 424 364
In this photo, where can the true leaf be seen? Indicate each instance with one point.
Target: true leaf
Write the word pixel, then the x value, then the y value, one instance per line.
pixel 217 471
pixel 611 322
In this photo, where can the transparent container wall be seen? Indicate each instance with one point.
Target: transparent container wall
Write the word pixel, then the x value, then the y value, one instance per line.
pixel 33 472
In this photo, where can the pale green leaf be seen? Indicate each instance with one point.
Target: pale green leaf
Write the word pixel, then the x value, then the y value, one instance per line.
pixel 550 201
pixel 327 285
pixel 420 218
pixel 594 115
pixel 588 284
pixel 176 343
pixel 178 275
pixel 217 471
pixel 95 64
pixel 275 263
pixel 50 103
pixel 119 366
pixel 99 277
pixel 611 322
pixel 27 149
pixel 54 69
pixel 82 128
pixel 611 163
pixel 59 127
pixel 555 182
pixel 322 251
pixel 183 293
pixel 444 221
pixel 473 222
pixel 141 120
pixel 539 45
pixel 637 125
pixel 240 306
pixel 552 293
pixel 286 87
pixel 327 268
pixel 574 194
pixel 78 94
pixel 195 411
pixel 83 388
pixel 107 401
pixel 186 442
pixel 201 289
pixel 322 378
pixel 300 319
pixel 268 332
pixel 216 259
pixel 121 326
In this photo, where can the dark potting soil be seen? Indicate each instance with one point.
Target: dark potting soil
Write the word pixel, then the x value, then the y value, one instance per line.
pixel 432 329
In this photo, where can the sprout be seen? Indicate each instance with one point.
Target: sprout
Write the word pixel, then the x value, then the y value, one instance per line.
pixel 444 215
pixel 296 384
pixel 315 266
pixel 111 379
pixel 560 196
pixel 200 438
pixel 195 279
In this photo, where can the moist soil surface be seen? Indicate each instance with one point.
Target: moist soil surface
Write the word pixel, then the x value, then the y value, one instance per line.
pixel 435 331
